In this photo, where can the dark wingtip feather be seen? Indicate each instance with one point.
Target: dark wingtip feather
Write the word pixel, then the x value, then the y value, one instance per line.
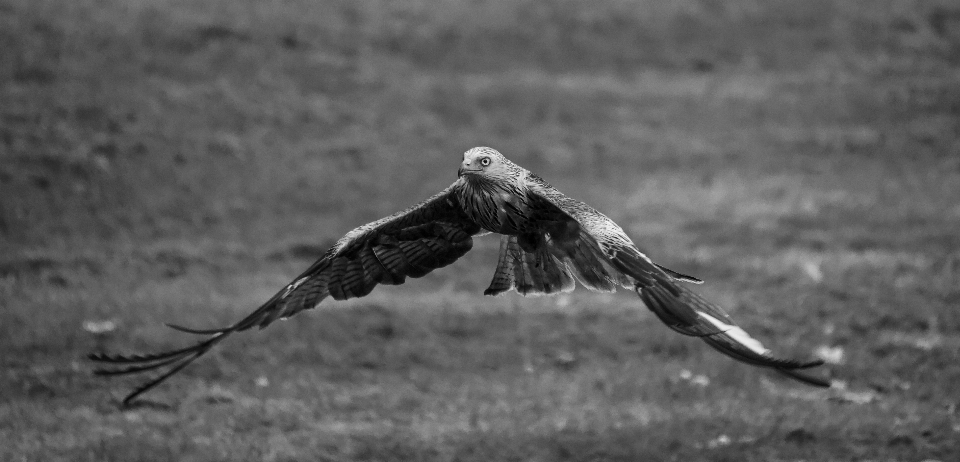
pixel 806 378
pixel 680 276
pixel 190 330
pixel 132 364
pixel 137 368
pixel 107 358
pixel 147 386
pixel 735 350
pixel 810 364
pixel 146 358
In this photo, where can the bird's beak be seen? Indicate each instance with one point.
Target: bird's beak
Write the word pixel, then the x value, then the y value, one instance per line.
pixel 464 169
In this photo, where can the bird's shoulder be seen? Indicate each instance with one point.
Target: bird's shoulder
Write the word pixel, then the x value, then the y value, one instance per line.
pixel 535 185
pixel 596 223
pixel 443 206
pixel 577 209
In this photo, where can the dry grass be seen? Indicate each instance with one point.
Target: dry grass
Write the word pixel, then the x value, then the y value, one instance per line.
pixel 179 160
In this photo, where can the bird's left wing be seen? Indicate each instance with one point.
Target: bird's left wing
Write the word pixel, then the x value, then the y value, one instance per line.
pixel 411 243
pixel 602 257
pixel 565 239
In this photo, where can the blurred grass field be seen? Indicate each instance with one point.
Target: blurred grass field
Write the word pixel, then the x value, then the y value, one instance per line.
pixel 179 161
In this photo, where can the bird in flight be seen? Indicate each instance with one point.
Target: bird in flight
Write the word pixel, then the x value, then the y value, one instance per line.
pixel 547 242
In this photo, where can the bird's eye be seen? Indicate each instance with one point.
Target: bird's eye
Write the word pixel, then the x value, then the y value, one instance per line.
pixel 485 161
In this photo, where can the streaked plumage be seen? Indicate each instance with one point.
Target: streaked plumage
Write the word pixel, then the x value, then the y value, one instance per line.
pixel 547 242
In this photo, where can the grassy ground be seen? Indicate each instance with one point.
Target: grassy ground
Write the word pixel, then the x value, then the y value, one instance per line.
pixel 180 160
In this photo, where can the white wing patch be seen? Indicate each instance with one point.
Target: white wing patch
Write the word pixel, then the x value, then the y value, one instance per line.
pixel 737 334
pixel 293 286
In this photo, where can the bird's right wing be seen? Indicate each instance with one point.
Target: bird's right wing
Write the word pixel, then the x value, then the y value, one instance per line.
pixel 411 243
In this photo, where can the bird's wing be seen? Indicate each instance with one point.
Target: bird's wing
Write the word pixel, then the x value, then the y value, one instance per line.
pixel 564 240
pixel 690 314
pixel 602 257
pixel 411 243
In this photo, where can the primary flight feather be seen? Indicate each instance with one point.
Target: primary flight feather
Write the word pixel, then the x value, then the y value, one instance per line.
pixel 547 242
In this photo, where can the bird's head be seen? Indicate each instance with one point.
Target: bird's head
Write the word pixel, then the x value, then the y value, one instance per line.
pixel 486 163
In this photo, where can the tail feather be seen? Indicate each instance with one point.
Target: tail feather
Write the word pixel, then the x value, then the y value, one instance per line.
pixel 503 277
pixel 547 274
pixel 530 273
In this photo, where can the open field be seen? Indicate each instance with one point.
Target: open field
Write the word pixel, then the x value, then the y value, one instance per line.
pixel 180 161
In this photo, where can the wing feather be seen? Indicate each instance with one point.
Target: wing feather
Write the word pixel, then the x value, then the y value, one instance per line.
pixel 373 270
pixel 337 270
pixel 688 313
pixel 412 243
pixel 591 265
pixel 394 261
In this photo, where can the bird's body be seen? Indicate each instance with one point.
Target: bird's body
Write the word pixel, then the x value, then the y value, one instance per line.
pixel 548 241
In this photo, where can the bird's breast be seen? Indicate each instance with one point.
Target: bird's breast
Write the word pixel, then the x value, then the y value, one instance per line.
pixel 497 210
